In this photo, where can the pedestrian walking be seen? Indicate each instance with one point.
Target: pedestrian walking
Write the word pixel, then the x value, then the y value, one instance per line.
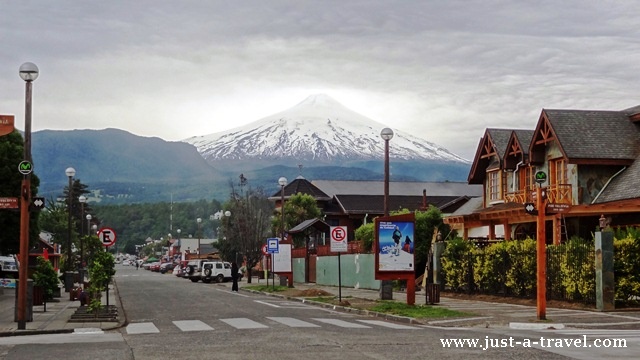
pixel 234 276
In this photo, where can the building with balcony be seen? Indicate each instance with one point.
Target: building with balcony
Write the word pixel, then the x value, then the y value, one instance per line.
pixel 592 167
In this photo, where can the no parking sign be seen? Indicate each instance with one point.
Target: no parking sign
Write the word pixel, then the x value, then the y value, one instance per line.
pixel 338 239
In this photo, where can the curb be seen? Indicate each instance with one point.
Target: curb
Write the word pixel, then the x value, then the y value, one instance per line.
pixel 535 326
pixel 345 309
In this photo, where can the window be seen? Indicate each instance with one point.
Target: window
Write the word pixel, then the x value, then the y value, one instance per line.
pixel 558 172
pixel 494 185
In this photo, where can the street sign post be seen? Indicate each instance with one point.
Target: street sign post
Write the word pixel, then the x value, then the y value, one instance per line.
pixel 530 208
pixel 25 167
pixel 8 203
pixel 107 237
pixel 37 203
pixel 272 245
pixel 339 244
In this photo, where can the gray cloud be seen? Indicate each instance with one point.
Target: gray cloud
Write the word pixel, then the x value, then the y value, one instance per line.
pixel 444 70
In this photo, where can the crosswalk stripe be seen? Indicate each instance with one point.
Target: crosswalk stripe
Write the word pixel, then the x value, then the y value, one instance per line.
pixel 192 325
pixel 342 323
pixel 291 322
pixel 142 328
pixel 244 323
pixel 388 324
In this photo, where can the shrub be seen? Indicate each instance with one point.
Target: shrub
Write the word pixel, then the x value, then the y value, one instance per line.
pixel 456 261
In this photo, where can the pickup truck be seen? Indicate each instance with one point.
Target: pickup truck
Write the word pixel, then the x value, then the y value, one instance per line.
pixel 217 271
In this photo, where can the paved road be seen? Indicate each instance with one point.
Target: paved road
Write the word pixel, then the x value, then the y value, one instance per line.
pixel 172 318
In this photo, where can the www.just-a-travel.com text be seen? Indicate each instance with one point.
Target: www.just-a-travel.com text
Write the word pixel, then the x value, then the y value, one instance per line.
pixel 489 343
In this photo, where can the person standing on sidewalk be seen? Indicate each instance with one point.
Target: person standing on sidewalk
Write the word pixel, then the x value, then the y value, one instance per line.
pixel 234 276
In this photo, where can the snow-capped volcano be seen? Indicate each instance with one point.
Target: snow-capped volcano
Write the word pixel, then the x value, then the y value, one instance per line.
pixel 318 129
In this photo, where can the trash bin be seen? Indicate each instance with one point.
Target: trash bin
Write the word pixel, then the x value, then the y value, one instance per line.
pixel 38 295
pixel 283 281
pixel 432 293
pixel 74 293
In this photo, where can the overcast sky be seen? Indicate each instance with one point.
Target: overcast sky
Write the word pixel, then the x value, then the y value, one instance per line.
pixel 442 70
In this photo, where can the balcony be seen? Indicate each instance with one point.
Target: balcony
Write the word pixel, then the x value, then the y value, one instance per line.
pixel 556 194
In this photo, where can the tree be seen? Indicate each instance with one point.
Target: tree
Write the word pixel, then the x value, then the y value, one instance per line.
pixel 297 208
pixel 428 223
pixel 11 154
pixel 246 230
pixel 46 277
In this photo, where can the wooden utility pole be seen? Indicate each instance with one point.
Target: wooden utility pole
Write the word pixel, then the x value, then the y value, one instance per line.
pixel 541 261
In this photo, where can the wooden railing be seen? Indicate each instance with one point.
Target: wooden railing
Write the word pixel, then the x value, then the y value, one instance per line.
pixel 557 194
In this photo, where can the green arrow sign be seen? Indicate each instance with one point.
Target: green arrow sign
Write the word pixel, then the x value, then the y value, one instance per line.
pixel 541 177
pixel 25 167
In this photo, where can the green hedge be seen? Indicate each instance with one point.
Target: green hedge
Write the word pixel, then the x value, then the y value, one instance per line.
pixel 509 268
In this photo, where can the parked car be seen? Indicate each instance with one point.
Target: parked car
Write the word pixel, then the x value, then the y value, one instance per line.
pixel 165 267
pixel 155 266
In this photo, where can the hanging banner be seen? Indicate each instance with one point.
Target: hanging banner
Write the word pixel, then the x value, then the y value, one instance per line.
pixel 6 124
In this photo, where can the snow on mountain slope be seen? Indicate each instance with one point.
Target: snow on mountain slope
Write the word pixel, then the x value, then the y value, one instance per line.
pixel 317 129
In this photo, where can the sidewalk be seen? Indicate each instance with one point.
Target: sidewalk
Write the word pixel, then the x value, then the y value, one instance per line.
pixel 57 317
pixel 488 314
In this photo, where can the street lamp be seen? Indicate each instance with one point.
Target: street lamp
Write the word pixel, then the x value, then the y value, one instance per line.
pixel 89 217
pixel 28 72
pixel 386 134
pixel 68 283
pixel 386 286
pixel 199 221
pixel 283 182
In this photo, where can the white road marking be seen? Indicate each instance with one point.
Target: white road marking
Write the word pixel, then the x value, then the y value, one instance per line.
pixel 291 322
pixel 244 323
pixel 142 328
pixel 342 323
pixel 389 324
pixel 192 325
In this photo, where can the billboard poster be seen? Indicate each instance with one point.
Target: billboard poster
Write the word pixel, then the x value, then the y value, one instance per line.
pixel 395 246
pixel 282 259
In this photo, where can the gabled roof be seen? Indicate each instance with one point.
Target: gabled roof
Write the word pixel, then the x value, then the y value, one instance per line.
pixel 374 204
pixel 491 149
pixel 517 148
pixel 301 185
pixel 413 188
pixel 588 137
pixel 310 223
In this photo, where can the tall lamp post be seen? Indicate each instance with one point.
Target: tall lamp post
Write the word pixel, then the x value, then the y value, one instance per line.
pixel 386 134
pixel 386 286
pixel 28 72
pixel 199 221
pixel 283 182
pixel 89 217
pixel 82 200
pixel 68 275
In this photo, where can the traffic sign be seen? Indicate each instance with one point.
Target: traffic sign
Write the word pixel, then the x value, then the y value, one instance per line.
pixel 25 167
pixel 338 239
pixel 541 177
pixel 9 203
pixel 530 208
pixel 38 203
pixel 6 124
pixel 553 208
pixel 272 245
pixel 264 250
pixel 107 236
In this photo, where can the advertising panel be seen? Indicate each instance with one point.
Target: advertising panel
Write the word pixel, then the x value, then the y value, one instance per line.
pixel 395 246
